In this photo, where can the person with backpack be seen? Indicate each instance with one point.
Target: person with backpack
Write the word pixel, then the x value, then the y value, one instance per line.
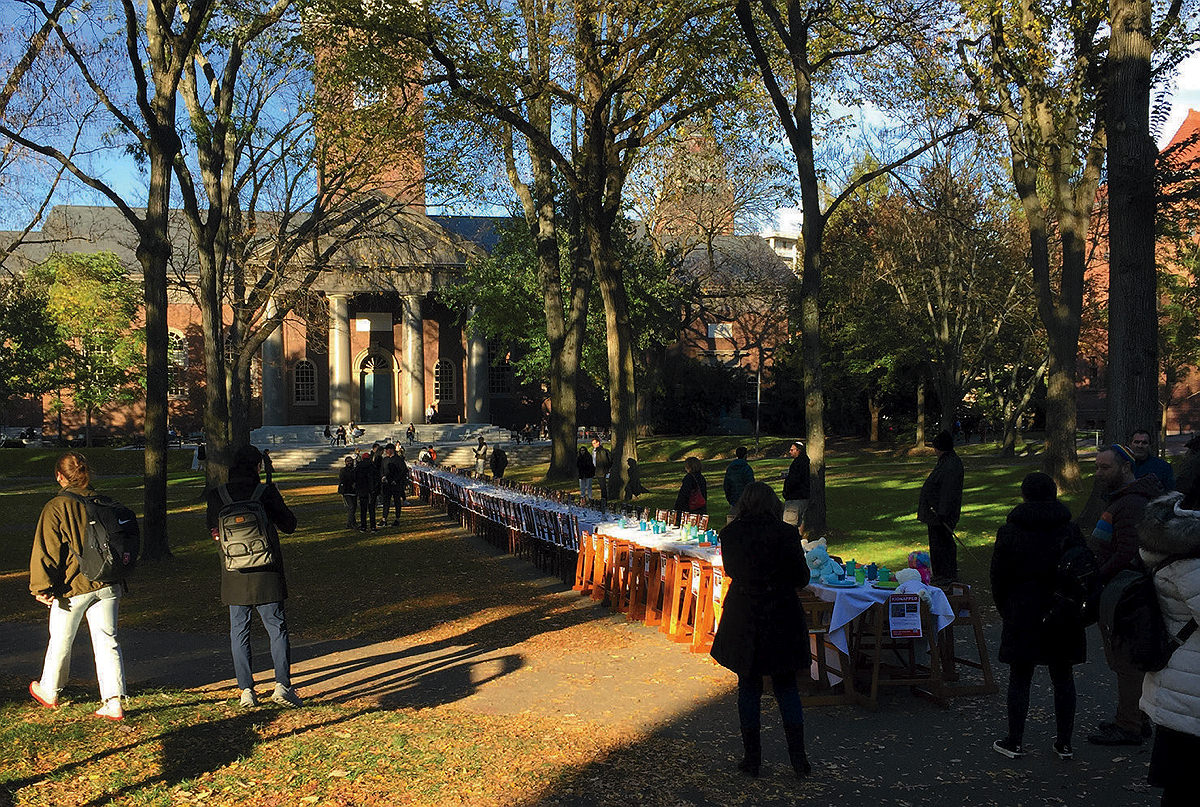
pixel 1026 565
pixel 57 581
pixel 1170 543
pixel 1114 541
pixel 246 512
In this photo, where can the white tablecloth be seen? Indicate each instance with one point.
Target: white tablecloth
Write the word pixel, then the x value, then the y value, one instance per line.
pixel 669 541
pixel 848 603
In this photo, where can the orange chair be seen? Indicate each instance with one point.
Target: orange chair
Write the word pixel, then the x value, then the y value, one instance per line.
pixel 660 515
pixel 679 601
pixel 703 525
pixel 709 595
pixel 585 565
pixel 602 548
pixel 639 573
pixel 659 566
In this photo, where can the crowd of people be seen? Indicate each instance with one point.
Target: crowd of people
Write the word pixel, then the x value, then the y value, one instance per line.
pixel 762 632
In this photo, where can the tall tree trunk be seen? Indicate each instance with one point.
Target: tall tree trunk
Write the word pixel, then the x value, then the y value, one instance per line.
pixel 216 399
pixel 874 409
pixel 153 252
pixel 622 386
pixel 1132 281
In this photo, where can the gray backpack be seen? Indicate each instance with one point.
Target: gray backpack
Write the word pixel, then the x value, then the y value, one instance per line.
pixel 244 532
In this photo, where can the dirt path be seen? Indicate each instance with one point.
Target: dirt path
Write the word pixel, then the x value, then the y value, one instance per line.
pixel 664 720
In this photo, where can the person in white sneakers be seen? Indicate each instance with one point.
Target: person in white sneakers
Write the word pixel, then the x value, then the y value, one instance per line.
pixel 55 580
pixel 260 589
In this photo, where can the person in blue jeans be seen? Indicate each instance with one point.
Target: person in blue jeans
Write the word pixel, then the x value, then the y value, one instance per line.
pixel 262 590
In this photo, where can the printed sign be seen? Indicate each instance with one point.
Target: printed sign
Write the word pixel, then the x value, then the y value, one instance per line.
pixel 718 580
pixel 904 616
pixel 695 578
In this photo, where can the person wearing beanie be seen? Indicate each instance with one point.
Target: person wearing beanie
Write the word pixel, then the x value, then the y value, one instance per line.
pixel 939 507
pixel 1025 561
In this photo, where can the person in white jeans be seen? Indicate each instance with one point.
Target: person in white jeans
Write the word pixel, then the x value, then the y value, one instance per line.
pixel 56 581
pixel 100 608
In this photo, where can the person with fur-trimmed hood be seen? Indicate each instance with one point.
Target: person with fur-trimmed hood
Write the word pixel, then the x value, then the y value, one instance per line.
pixel 1171 696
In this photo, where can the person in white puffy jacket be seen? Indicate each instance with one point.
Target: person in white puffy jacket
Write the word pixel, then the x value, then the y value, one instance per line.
pixel 1171 696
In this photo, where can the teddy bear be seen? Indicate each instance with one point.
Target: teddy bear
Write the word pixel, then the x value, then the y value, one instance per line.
pixel 911 583
pixel 820 564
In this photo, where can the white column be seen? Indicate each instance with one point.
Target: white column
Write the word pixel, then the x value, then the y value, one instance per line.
pixel 414 360
pixel 339 359
pixel 274 399
pixel 477 379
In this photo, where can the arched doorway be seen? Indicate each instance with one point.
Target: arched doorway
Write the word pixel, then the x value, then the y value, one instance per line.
pixel 375 390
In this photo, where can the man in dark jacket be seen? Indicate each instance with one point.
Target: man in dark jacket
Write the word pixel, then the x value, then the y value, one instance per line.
pixel 939 508
pixel 499 461
pixel 795 485
pixel 366 487
pixel 602 459
pixel 390 483
pixel 737 476
pixel 264 589
pixel 1115 542
pixel 1145 461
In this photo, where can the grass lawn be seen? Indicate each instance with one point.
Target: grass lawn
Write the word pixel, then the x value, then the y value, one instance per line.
pixel 424 583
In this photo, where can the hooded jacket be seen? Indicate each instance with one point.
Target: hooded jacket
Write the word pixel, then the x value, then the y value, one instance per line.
pixel 1171 696
pixel 1114 539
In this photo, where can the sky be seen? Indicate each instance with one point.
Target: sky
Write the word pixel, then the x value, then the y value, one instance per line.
pixel 1185 97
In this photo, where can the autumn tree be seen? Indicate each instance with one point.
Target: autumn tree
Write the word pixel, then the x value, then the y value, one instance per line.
pixel 583 88
pixel 29 342
pixel 807 51
pixel 130 60
pixel 94 307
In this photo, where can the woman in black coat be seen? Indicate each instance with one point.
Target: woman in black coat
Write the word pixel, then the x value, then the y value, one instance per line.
pixel 1024 572
pixel 687 501
pixel 762 629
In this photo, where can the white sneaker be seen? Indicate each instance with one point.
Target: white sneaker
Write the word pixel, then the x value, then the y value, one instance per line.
pixel 248 699
pixel 111 710
pixel 286 696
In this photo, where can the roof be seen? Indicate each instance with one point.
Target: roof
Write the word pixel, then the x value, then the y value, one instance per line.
pixel 1188 130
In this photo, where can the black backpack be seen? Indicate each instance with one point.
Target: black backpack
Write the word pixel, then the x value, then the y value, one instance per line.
pixel 1076 599
pixel 111 539
pixel 244 532
pixel 1131 619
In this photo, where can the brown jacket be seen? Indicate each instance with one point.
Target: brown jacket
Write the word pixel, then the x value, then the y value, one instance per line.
pixel 53 567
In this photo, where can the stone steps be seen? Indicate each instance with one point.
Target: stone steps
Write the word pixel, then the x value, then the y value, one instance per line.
pixel 326 458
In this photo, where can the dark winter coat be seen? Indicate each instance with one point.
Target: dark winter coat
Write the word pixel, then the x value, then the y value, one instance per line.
pixel 691 482
pixel 366 478
pixel 346 481
pixel 499 462
pixel 762 626
pixel 258 587
pixel 1114 539
pixel 737 476
pixel 585 466
pixel 941 495
pixel 1024 566
pixel 795 484
pixel 393 471
pixel 602 458
pixel 634 486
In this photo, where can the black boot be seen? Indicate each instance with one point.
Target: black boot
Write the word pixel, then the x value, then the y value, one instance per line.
pixel 795 744
pixel 752 759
